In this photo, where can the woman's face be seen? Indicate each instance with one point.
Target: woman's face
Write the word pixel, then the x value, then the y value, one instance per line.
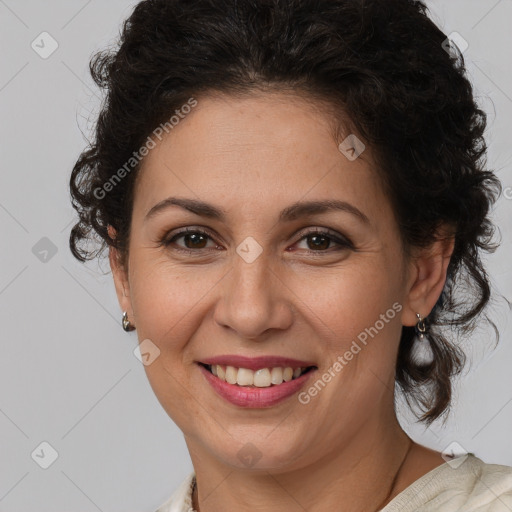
pixel 263 283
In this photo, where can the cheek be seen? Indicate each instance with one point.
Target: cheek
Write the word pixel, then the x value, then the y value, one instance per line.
pixel 166 300
pixel 356 315
pixel 167 304
pixel 347 300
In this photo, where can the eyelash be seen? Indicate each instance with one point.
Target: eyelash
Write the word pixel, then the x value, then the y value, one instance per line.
pixel 345 243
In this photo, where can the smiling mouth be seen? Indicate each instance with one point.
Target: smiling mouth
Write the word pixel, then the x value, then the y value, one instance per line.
pixel 262 378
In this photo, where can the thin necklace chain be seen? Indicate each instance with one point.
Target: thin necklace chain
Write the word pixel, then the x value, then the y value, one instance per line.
pixel 393 483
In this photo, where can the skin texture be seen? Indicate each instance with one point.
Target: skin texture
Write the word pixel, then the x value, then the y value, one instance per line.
pixel 252 157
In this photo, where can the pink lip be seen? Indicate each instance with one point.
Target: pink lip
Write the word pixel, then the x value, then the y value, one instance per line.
pixel 255 397
pixel 256 363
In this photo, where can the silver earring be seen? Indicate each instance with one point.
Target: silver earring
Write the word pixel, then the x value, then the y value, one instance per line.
pixel 127 326
pixel 421 353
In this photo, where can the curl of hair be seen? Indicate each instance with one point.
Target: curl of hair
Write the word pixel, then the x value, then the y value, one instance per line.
pixel 380 61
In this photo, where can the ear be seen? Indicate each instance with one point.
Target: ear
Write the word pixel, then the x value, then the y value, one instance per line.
pixel 120 277
pixel 427 277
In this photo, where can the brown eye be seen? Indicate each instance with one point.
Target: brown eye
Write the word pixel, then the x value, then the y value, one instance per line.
pixel 193 239
pixel 196 240
pixel 321 240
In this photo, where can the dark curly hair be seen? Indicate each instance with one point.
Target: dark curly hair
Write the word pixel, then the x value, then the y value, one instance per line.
pixel 383 62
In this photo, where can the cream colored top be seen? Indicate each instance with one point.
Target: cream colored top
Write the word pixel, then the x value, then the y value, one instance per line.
pixel 465 484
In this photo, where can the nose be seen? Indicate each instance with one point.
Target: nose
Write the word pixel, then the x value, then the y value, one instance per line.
pixel 253 299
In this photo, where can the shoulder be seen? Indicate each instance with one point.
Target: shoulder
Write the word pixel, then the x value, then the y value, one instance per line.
pixel 465 483
pixel 181 498
pixel 491 487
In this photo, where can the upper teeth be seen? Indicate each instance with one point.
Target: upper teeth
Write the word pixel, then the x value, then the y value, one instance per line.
pixel 261 378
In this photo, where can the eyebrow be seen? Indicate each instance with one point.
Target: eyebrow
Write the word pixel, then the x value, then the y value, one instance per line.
pixel 290 213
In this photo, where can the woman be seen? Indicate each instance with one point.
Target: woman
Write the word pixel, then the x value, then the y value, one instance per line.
pixel 292 193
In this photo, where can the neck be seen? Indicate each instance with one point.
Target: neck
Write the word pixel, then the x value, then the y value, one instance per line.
pixel 365 475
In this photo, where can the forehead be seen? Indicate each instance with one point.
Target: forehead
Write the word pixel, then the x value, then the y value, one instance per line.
pixel 258 122
pixel 275 147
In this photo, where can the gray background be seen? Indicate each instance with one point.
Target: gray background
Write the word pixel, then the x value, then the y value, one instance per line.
pixel 68 374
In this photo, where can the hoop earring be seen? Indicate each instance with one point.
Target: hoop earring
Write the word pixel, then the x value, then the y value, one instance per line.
pixel 127 326
pixel 421 352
